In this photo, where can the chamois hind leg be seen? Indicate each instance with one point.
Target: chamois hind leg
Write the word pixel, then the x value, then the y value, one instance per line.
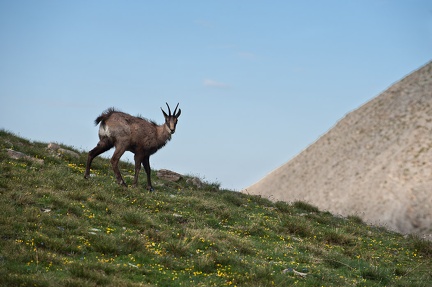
pixel 119 151
pixel 101 147
pixel 138 160
pixel 146 164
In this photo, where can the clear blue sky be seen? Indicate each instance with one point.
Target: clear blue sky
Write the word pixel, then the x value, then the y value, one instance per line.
pixel 257 81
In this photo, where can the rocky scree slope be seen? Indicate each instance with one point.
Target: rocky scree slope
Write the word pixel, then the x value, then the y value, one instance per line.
pixel 375 163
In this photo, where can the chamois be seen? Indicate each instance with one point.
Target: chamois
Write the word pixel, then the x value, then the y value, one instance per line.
pixel 134 134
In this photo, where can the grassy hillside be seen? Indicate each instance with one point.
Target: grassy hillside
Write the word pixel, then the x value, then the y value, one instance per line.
pixel 58 229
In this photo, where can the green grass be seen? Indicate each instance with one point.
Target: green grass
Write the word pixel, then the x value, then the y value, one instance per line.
pixel 58 229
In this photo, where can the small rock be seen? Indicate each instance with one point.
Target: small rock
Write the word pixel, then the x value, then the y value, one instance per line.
pixel 168 175
pixel 295 272
pixel 71 153
pixel 53 146
pixel 62 151
pixel 195 181
pixel 19 155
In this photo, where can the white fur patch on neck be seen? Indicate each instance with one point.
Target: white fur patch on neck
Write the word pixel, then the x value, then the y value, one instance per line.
pixel 167 129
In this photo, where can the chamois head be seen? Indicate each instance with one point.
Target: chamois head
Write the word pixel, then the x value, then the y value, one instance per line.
pixel 171 119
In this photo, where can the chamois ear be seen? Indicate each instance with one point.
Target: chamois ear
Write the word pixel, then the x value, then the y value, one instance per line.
pixel 165 115
pixel 178 114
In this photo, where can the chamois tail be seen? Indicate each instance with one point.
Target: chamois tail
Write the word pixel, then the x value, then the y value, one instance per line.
pixel 104 116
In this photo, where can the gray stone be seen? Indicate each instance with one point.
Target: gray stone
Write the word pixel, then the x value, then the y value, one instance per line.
pixel 62 151
pixel 195 181
pixel 19 155
pixel 168 175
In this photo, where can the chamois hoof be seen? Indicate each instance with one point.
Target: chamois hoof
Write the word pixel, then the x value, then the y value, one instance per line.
pixel 151 189
pixel 87 176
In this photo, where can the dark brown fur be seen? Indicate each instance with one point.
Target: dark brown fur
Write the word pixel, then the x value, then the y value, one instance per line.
pixel 135 134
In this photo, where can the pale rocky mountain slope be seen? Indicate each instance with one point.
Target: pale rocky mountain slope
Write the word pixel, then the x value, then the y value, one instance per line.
pixel 375 163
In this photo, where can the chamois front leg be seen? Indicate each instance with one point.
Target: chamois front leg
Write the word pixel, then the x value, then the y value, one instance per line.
pixel 146 164
pixel 114 162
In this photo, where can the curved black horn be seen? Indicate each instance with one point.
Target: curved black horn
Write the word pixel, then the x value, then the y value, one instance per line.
pixel 175 109
pixel 169 110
